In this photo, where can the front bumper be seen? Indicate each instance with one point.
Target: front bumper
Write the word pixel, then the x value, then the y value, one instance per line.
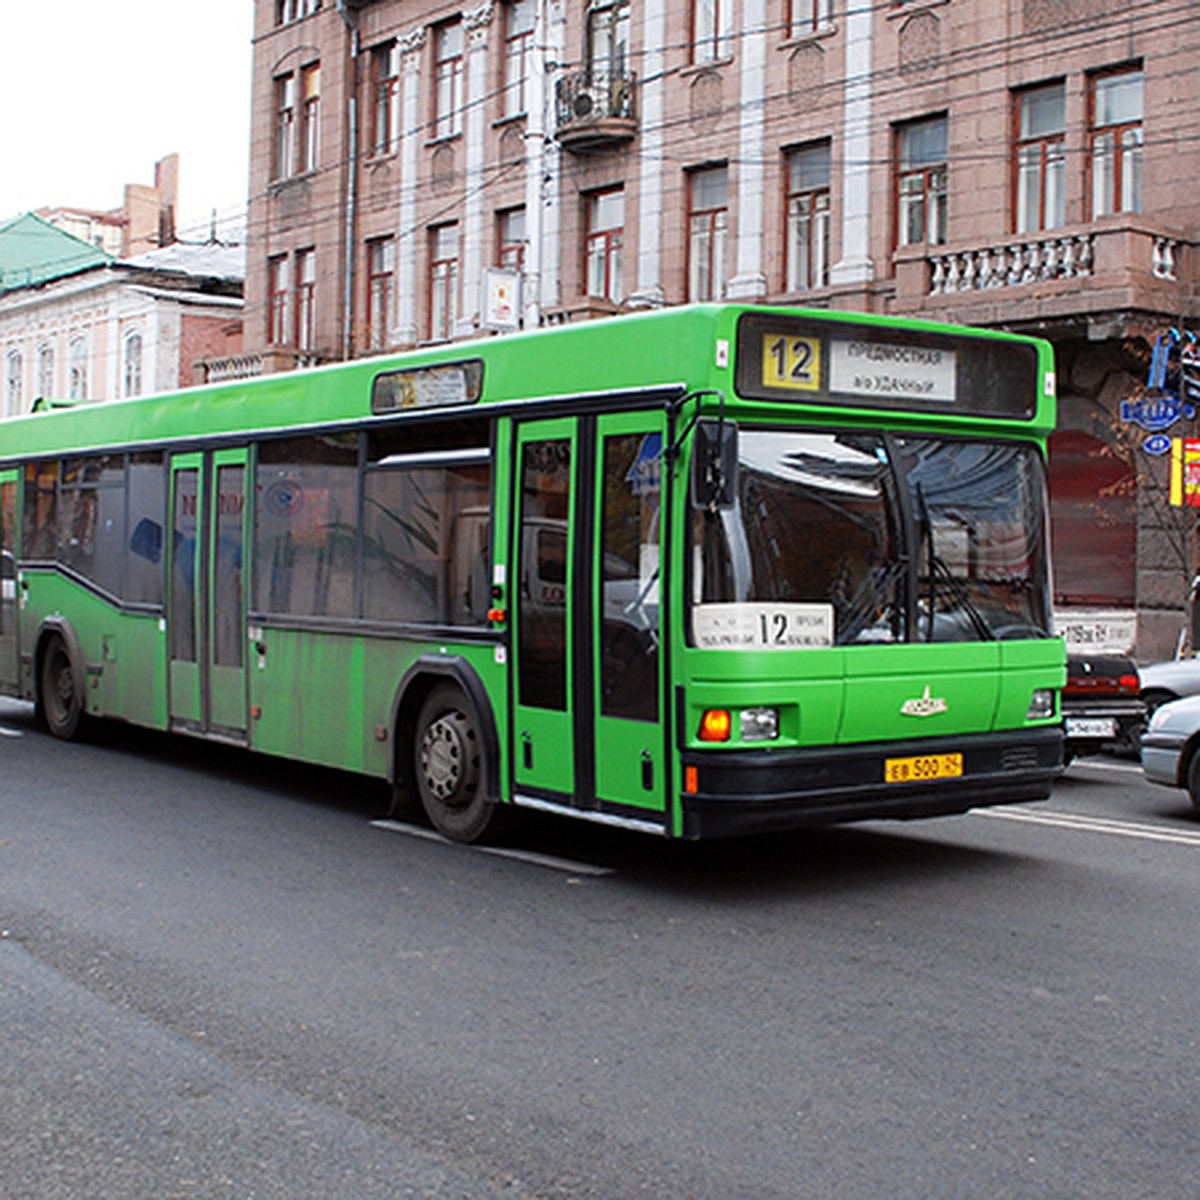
pixel 749 792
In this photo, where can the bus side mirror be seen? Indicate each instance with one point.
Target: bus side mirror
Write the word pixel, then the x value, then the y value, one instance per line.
pixel 714 465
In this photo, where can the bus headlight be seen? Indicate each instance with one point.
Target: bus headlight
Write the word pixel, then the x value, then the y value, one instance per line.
pixel 760 724
pixel 1041 705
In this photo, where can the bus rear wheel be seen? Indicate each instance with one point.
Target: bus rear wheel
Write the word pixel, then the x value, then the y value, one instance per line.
pixel 450 768
pixel 58 699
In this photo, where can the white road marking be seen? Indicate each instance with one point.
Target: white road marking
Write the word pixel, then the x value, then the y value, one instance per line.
pixel 1119 768
pixel 568 865
pixel 1129 829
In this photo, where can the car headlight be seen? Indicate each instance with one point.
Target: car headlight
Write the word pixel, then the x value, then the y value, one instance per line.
pixel 1041 705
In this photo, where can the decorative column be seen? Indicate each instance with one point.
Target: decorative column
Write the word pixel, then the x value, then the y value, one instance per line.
pixel 407 242
pixel 750 282
pixel 855 265
pixel 652 110
pixel 475 26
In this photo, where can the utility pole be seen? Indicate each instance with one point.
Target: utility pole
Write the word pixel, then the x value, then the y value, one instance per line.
pixel 535 174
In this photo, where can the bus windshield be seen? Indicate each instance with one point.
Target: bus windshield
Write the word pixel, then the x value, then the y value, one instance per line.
pixel 848 538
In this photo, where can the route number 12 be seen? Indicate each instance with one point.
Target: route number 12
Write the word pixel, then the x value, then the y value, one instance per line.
pixel 792 362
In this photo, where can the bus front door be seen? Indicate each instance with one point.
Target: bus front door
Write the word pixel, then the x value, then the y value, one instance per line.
pixel 587 728
pixel 543 719
pixel 8 582
pixel 206 603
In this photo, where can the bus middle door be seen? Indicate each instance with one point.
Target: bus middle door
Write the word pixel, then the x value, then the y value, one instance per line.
pixel 206 604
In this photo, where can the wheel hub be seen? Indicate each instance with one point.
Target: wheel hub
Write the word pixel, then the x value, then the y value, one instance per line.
pixel 449 765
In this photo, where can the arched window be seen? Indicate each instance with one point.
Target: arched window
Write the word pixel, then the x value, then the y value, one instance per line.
pixel 1093 521
pixel 133 364
pixel 77 368
pixel 13 368
pixel 45 376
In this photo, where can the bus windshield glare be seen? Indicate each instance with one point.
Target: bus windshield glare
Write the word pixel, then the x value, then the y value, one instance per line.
pixel 851 538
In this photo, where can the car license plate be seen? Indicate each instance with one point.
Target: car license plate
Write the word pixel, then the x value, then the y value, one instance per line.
pixel 1091 727
pixel 922 767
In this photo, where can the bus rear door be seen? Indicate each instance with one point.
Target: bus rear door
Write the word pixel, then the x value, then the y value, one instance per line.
pixel 206 608
pixel 8 581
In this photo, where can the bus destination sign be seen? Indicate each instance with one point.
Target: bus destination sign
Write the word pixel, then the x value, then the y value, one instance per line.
pixel 811 361
pixel 889 369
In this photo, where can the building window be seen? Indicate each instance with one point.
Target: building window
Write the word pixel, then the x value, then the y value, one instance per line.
pixel 519 18
pixel 807 16
pixel 287 11
pixel 285 126
pixel 381 272
pixel 607 39
pixel 77 368
pixel 708 221
pixel 443 281
pixel 132 367
pixel 808 220
pixel 1116 142
pixel 510 239
pixel 605 232
pixel 385 78
pixel 448 77
pixel 278 285
pixel 1040 173
pixel 13 370
pixel 306 300
pixel 310 116
pixel 921 153
pixel 710 30
pixel 45 368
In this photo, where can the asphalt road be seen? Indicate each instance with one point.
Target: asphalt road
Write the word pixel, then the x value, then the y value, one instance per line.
pixel 221 977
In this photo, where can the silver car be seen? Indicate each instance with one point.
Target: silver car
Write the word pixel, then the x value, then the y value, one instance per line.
pixel 1171 746
pixel 1166 681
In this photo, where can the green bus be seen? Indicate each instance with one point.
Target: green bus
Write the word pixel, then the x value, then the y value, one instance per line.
pixel 701 571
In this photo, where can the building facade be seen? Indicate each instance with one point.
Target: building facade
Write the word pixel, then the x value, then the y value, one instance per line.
pixel 78 325
pixel 431 171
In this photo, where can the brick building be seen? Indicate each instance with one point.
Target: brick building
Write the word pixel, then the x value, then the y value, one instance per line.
pixel 1026 164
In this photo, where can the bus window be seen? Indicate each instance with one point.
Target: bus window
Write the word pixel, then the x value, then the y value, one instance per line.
pixel 41 500
pixel 629 577
pixel 545 489
pixel 306 526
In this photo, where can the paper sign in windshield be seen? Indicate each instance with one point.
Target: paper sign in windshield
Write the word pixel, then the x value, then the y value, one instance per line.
pixel 762 626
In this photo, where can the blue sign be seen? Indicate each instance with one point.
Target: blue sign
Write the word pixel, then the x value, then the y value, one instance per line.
pixel 1156 413
pixel 1157 444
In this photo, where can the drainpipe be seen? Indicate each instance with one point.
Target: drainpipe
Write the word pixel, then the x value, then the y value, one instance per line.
pixel 535 170
pixel 351 186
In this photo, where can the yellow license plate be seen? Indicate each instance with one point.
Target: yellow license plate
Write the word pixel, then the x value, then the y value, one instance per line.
pixel 922 767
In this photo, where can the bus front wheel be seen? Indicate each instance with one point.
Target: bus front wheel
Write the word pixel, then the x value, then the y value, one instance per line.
pixel 450 767
pixel 58 699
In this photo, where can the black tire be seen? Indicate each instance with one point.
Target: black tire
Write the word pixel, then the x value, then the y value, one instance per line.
pixel 58 699
pixel 1193 780
pixel 450 768
pixel 1156 698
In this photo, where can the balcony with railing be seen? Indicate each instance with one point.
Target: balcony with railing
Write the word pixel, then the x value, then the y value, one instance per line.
pixel 595 110
pixel 1055 277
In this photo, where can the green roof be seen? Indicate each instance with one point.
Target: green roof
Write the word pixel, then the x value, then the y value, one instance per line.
pixel 33 251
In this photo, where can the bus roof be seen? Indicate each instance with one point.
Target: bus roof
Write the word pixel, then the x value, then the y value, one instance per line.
pixel 686 347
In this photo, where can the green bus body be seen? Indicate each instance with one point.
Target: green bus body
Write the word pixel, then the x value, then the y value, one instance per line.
pixel 700 571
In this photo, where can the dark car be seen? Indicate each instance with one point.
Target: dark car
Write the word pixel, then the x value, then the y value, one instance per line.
pixel 1101 704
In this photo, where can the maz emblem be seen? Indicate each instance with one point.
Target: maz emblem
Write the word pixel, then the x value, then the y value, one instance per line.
pixel 925 706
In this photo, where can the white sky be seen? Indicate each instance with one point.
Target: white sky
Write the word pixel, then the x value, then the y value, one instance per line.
pixel 93 94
